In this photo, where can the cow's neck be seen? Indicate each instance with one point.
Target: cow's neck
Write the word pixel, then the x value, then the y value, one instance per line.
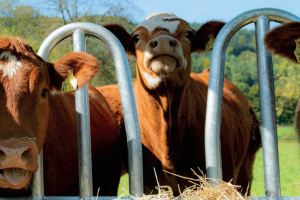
pixel 161 113
pixel 62 124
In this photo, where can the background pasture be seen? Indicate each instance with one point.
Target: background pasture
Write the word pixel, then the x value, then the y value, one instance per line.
pixel 289 158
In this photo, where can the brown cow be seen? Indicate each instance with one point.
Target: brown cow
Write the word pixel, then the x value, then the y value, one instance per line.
pixel 35 114
pixel 282 40
pixel 171 104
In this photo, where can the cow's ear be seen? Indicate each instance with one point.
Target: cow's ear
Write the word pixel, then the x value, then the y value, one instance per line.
pixel 82 66
pixel 204 38
pixel 281 40
pixel 120 32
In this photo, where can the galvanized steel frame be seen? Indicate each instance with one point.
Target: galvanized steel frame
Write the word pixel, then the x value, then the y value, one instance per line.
pixel 79 31
pixel 261 18
pixel 129 198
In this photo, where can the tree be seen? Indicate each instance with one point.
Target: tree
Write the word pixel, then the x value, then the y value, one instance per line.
pixel 287 88
pixel 84 10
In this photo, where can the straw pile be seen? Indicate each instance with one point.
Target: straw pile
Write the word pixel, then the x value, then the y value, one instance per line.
pixel 202 189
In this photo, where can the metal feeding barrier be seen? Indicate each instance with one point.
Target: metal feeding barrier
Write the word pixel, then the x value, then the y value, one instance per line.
pixel 261 18
pixel 79 31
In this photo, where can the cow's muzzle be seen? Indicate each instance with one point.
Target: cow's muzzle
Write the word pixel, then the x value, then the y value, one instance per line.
pixel 163 55
pixel 18 159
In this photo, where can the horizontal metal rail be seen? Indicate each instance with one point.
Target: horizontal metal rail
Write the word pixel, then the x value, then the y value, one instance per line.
pixel 266 85
pixel 129 198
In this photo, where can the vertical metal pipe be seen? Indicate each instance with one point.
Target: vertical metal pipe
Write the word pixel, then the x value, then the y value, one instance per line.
pixel 268 113
pixel 38 180
pixel 83 127
pixel 213 113
pixel 134 144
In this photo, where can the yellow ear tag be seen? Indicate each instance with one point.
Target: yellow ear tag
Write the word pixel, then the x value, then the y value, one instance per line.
pixel 70 84
pixel 297 50
pixel 209 45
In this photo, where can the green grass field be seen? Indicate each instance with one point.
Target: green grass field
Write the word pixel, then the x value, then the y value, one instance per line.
pixel 289 165
pixel 289 159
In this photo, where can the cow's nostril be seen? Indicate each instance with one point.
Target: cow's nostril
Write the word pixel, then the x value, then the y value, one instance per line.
pixel 173 43
pixel 26 154
pixel 154 44
pixel 2 155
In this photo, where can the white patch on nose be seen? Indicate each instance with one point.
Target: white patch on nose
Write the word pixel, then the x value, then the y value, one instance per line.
pixel 162 20
pixel 11 65
pixel 152 82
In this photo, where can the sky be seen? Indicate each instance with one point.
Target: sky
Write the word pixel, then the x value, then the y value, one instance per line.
pixel 202 11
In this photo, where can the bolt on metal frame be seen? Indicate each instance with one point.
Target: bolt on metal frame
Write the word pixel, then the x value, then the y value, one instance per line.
pixel 261 18
pixel 79 31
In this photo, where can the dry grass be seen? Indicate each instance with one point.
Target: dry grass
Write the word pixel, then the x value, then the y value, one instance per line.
pixel 202 189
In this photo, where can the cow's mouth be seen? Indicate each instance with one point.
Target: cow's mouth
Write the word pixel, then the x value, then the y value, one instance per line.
pixel 164 64
pixel 14 178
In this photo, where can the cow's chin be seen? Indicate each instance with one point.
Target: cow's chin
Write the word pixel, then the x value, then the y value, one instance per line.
pixel 15 178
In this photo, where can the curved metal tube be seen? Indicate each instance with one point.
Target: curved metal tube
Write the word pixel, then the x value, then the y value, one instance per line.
pixel 125 88
pixel 83 126
pixel 215 93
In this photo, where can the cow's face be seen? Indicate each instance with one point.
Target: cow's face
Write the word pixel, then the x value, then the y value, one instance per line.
pixel 27 83
pixel 283 40
pixel 163 44
pixel 163 50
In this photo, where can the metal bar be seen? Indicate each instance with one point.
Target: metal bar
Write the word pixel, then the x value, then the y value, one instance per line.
pixel 129 198
pixel 215 87
pixel 38 180
pixel 83 127
pixel 268 112
pixel 126 92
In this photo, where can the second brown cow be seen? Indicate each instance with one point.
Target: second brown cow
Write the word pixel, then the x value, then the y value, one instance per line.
pixel 171 104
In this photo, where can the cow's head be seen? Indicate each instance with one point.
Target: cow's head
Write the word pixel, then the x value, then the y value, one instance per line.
pixel 27 83
pixel 282 40
pixel 163 44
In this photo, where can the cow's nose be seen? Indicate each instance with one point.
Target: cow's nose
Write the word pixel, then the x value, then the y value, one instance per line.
pixel 163 42
pixel 19 153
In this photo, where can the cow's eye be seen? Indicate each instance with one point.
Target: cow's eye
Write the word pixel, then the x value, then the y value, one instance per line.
pixel 44 93
pixel 189 35
pixel 136 38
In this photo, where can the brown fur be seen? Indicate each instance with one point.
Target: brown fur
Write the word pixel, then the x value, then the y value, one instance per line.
pixel 52 120
pixel 172 113
pixel 281 40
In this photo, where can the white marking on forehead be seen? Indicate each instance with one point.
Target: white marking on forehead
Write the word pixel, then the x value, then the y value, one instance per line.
pixel 162 20
pixel 11 65
pixel 152 82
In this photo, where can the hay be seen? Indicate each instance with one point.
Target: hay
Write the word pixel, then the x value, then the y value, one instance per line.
pixel 201 189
